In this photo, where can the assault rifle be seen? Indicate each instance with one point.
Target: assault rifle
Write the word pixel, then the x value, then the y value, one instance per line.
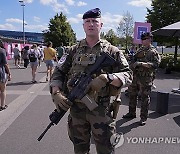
pixel 79 88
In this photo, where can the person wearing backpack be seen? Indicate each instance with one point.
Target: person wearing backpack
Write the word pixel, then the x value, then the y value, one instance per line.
pixel 34 54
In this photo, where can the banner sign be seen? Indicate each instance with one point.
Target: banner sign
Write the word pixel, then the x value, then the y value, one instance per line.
pixel 10 46
pixel 140 28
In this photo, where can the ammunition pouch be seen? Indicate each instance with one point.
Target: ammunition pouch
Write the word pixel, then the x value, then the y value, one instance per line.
pixel 101 99
pixel 145 74
pixel 141 72
pixel 104 101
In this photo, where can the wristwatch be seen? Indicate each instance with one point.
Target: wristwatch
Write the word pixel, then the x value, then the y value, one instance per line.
pixel 110 78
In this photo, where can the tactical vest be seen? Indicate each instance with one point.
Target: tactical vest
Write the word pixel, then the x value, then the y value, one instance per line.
pixel 83 59
pixel 144 55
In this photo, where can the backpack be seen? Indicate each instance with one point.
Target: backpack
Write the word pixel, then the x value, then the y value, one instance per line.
pixel 32 57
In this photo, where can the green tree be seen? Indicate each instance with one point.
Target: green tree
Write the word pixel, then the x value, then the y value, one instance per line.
pixel 125 28
pixel 111 37
pixel 163 13
pixel 59 31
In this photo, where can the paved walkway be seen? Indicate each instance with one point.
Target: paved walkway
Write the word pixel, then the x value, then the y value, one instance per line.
pixel 166 82
pixel 30 104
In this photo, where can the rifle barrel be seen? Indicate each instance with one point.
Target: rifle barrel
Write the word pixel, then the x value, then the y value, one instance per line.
pixel 42 135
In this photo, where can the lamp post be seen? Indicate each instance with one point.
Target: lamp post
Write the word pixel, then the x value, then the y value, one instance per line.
pixel 23 5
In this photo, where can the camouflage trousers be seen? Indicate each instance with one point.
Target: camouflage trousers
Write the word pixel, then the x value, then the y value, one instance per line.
pixel 141 86
pixel 82 123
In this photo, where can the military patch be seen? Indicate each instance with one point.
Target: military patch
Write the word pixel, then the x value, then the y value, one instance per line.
pixel 61 60
pixel 117 140
pixel 85 59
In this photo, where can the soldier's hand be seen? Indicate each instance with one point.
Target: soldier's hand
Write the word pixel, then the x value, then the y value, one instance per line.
pixel 136 64
pixel 98 83
pixel 55 89
pixel 143 64
pixel 61 101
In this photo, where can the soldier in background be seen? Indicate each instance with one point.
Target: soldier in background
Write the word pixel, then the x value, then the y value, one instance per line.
pixel 146 61
pixel 82 122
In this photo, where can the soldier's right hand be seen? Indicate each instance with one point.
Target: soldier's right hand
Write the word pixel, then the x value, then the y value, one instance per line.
pixel 60 101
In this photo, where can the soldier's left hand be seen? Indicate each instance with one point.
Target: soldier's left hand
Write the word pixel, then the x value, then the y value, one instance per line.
pixel 141 64
pixel 61 101
pixel 98 83
pixel 145 65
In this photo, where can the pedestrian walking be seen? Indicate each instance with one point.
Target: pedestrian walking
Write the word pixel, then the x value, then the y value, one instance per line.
pixel 49 59
pixel 33 57
pixel 40 48
pixel 60 51
pixel 17 56
pixel 25 56
pixel 4 76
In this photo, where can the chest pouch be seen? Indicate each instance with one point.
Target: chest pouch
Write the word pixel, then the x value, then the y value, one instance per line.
pixel 85 59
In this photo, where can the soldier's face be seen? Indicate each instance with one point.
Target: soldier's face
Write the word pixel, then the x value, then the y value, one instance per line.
pixel 146 41
pixel 92 26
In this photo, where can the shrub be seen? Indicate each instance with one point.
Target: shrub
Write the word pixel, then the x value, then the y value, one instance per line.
pixel 167 61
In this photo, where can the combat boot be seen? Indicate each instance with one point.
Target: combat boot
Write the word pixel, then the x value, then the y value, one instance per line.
pixel 129 116
pixel 142 122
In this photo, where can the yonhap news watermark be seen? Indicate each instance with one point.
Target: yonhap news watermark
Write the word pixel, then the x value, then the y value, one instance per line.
pixel 153 140
pixel 119 139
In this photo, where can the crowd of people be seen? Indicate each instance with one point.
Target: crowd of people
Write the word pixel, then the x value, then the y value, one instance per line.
pixel 34 55
pixel 29 55
pixel 138 76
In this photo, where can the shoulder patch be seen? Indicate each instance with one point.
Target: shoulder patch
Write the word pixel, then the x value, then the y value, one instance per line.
pixel 62 60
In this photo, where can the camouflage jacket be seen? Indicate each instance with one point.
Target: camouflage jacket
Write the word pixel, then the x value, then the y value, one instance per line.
pixel 148 55
pixel 80 56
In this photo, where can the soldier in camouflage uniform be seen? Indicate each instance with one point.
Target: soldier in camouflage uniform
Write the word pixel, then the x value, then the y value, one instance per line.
pixel 146 61
pixel 83 122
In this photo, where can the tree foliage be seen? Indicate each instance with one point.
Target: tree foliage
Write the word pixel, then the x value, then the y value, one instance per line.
pixel 163 13
pixel 59 31
pixel 125 28
pixel 111 37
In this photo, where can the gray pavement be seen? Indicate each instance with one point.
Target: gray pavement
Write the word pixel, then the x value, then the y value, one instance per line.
pixel 30 105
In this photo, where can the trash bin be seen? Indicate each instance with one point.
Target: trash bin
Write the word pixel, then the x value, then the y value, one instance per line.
pixel 162 102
